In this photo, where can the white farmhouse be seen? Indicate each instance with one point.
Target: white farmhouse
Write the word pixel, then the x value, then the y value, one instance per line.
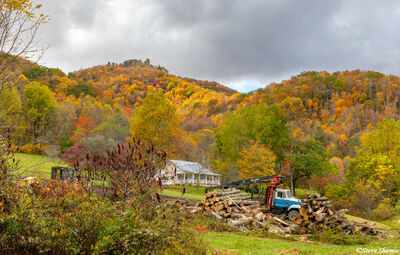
pixel 188 173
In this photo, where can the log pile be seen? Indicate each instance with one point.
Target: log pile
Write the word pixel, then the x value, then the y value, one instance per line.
pixel 227 203
pixel 317 213
pixel 238 210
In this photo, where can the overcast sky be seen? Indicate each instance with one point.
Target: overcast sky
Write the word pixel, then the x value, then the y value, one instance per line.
pixel 244 44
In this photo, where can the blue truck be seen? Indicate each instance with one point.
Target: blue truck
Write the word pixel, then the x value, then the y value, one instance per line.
pixel 284 202
pixel 278 201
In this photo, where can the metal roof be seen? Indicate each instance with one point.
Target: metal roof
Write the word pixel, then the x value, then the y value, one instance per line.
pixel 191 167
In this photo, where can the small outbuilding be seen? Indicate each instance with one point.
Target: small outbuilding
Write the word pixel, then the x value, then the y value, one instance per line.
pixel 179 172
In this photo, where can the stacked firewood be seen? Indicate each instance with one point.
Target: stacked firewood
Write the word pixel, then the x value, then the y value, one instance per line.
pixel 238 210
pixel 317 213
pixel 226 203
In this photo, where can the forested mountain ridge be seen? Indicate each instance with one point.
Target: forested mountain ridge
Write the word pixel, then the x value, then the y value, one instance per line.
pixel 335 108
pixel 344 104
pixel 317 126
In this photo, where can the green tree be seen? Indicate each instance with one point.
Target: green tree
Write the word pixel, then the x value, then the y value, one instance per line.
pixel 39 107
pixel 309 159
pixel 11 111
pixel 156 122
pixel 83 88
pixel 260 123
pixel 115 127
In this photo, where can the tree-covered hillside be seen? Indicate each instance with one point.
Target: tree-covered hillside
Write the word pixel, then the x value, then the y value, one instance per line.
pixel 300 123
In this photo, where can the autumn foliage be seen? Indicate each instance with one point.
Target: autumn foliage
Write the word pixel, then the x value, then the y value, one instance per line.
pixel 131 170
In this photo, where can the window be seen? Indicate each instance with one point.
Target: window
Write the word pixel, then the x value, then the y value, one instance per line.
pixel 281 194
pixel 289 194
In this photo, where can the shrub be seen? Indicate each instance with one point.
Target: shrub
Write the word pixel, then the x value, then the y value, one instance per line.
pixel 65 142
pixel 58 217
pixel 30 148
pixel 363 201
pixel 384 211
pixel 75 153
pixel 131 170
pixel 335 191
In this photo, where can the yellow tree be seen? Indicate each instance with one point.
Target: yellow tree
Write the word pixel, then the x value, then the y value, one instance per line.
pixel 256 160
pixel 19 24
pixel 156 122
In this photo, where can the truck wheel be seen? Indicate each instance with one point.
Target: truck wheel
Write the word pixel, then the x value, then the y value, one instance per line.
pixel 292 214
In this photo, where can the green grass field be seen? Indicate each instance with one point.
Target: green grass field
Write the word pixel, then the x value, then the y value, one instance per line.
pixel 380 225
pixel 190 192
pixel 36 165
pixel 234 243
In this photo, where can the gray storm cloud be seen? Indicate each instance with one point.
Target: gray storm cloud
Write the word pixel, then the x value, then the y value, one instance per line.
pixel 242 44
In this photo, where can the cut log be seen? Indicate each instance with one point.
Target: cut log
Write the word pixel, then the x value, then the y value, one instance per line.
pixel 242 221
pixel 303 211
pixel 245 209
pixel 246 202
pixel 240 215
pixel 216 216
pixel 298 221
pixel 280 221
pixel 228 192
pixel 320 210
pixel 235 197
pixel 276 230
pixel 260 224
pixel 342 212
pixel 258 216
pixel 254 206
pixel 320 217
pixel 196 210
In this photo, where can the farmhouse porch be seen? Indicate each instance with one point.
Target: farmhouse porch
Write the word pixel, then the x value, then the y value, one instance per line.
pixel 179 172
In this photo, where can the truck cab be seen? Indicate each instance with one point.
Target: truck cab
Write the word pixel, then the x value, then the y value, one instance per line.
pixel 284 202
